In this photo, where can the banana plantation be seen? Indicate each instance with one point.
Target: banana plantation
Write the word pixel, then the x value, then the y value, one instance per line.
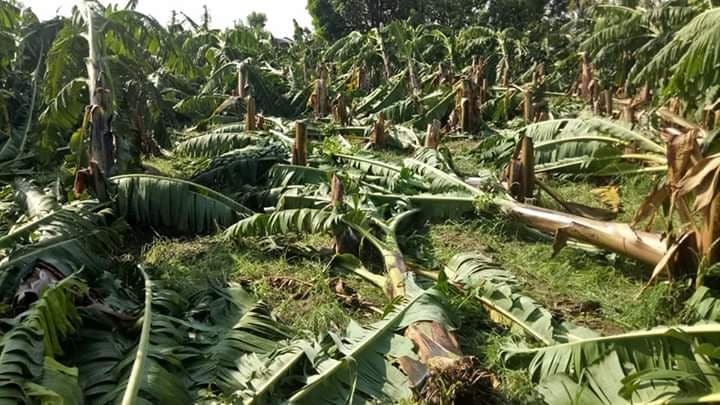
pixel 414 213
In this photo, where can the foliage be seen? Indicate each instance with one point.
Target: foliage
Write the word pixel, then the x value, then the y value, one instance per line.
pixel 691 53
pixel 679 366
pixel 497 290
pixel 256 20
pixel 356 136
pixel 583 145
pixel 29 348
pixel 176 204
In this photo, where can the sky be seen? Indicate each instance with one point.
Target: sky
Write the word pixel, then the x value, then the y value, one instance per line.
pixel 223 13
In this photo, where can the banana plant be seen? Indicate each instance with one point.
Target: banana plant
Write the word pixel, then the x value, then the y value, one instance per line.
pixel 53 242
pixel 588 146
pixel 29 352
pixel 174 204
pixel 97 31
pixel 684 65
pixel 679 367
pixel 359 364
pixel 626 38
pixel 457 197
pixel 363 371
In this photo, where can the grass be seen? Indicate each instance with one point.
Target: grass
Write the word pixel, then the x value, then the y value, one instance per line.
pixel 461 151
pixel 516 386
pixel 177 166
pixel 297 289
pixel 567 283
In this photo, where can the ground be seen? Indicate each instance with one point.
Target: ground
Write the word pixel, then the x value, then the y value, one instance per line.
pixel 598 290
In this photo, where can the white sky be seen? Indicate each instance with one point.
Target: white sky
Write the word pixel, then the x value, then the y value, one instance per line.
pixel 280 13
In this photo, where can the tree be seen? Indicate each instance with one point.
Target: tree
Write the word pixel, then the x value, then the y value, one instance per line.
pixel 256 20
pixel 625 39
pixel 519 14
pixel 335 18
pixel 451 13
pixel 327 21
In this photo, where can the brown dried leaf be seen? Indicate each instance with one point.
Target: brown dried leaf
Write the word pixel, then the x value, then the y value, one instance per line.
pixel 701 180
pixel 652 204
pixel 682 153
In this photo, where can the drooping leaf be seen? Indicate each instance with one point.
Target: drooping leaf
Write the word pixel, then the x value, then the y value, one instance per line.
pixel 248 165
pixel 175 204
pixel 305 220
pixel 497 290
pixel 364 372
pixel 39 333
pixel 668 363
pixel 216 143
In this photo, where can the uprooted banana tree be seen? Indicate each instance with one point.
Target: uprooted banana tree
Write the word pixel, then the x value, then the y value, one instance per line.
pixel 437 348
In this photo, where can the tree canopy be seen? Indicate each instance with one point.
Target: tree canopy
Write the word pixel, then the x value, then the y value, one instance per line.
pixel 256 20
pixel 334 18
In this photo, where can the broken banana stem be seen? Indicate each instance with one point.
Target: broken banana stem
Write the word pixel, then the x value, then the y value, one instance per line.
pixel 616 237
pixel 436 346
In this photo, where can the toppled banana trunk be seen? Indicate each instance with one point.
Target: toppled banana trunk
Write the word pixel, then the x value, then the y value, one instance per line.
pixel 441 360
pixel 613 236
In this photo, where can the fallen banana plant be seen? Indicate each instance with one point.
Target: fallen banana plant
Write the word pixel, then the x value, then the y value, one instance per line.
pixel 28 352
pixel 351 376
pixel 54 242
pixel 360 365
pixel 617 237
pixel 487 197
pixel 497 290
pixel 247 165
pixel 438 349
pixel 662 365
pixel 587 146
pixel 173 203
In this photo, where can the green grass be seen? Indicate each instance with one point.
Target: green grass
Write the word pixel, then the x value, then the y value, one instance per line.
pixel 566 282
pixel 516 386
pixel 176 166
pixel 461 151
pixel 297 289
